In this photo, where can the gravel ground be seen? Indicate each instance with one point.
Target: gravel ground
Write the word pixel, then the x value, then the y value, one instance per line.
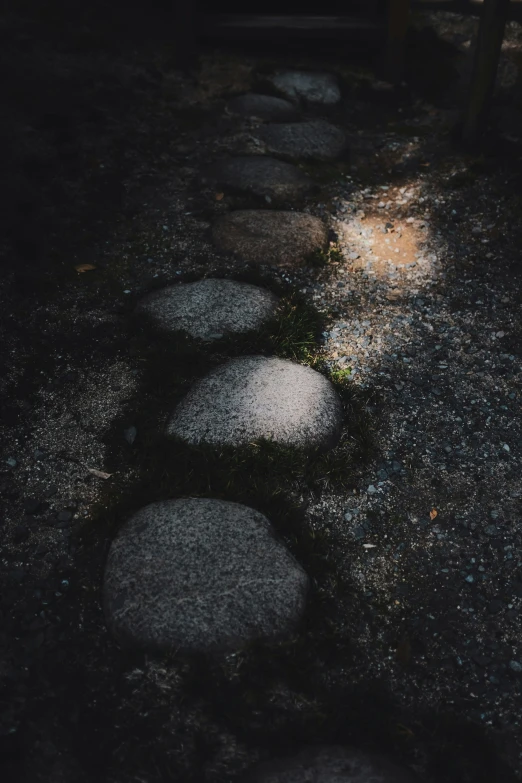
pixel 413 645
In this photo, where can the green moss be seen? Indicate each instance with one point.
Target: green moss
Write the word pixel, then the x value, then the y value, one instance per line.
pixel 323 258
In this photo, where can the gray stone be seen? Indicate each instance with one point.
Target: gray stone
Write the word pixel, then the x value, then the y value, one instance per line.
pixel 314 140
pixel 330 765
pixel 270 236
pixel 260 176
pixel 264 107
pixel 311 87
pixel 210 309
pixel 254 398
pixel 199 574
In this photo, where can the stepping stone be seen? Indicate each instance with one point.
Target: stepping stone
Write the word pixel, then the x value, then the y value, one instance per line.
pixel 254 398
pixel 330 765
pixel 315 140
pixel 200 575
pixel 260 176
pixel 311 87
pixel 263 236
pixel 209 309
pixel 264 107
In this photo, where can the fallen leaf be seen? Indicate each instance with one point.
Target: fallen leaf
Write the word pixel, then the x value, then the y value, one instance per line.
pixel 404 731
pixel 425 164
pixel 99 473
pixel 84 268
pixel 403 651
pixel 219 196
pixel 433 513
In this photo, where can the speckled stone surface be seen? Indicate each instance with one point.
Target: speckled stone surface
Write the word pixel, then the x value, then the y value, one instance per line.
pixel 315 140
pixel 255 397
pixel 308 86
pixel 209 309
pixel 275 237
pixel 260 176
pixel 200 574
pixel 330 765
pixel 263 107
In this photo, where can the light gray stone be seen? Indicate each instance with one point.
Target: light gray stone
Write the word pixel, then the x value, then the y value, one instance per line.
pixel 210 309
pixel 314 140
pixel 330 765
pixel 255 397
pixel 260 176
pixel 264 107
pixel 308 86
pixel 200 574
pixel 275 237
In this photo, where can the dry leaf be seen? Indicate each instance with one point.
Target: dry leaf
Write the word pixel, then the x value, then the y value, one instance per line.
pixel 403 651
pixel 99 473
pixel 433 513
pixel 84 268
pixel 404 731
pixel 219 196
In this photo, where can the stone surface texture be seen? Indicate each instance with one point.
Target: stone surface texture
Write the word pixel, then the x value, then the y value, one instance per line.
pixel 281 238
pixel 209 309
pixel 330 765
pixel 264 177
pixel 308 86
pixel 264 107
pixel 200 574
pixel 315 140
pixel 256 397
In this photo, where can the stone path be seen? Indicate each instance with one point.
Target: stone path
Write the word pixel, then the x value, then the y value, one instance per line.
pixel 329 765
pixel 314 88
pixel 313 140
pixel 260 398
pixel 196 574
pixel 270 236
pixel 267 178
pixel 264 107
pixel 209 309
pixel 207 575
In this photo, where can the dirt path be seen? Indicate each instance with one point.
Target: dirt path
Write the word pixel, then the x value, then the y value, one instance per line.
pixel 410 532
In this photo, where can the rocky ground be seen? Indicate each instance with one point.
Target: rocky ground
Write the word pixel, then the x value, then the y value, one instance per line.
pixel 411 643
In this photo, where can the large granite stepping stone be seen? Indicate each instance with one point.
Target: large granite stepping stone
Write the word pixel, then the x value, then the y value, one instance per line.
pixel 308 86
pixel 330 765
pixel 314 140
pixel 254 398
pixel 263 107
pixel 197 574
pixel 260 176
pixel 209 309
pixel 263 236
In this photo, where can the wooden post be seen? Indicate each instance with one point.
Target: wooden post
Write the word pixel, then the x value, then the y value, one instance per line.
pixel 185 21
pixel 487 55
pixel 398 17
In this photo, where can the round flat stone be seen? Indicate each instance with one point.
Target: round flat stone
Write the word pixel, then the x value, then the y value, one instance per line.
pixel 308 86
pixel 314 140
pixel 209 309
pixel 260 176
pixel 264 236
pixel 199 574
pixel 330 765
pixel 254 398
pixel 264 107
